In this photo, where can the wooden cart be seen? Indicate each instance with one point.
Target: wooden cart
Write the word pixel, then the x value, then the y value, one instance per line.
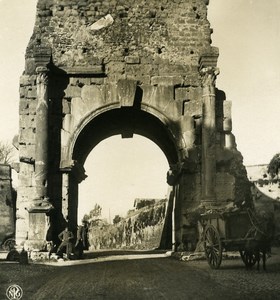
pixel 231 231
pixel 7 243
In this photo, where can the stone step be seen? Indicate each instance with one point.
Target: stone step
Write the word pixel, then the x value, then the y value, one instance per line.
pixel 3 254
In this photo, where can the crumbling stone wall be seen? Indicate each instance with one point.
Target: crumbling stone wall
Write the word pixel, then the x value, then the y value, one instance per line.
pixel 151 30
pixel 7 204
pixel 140 229
pixel 94 69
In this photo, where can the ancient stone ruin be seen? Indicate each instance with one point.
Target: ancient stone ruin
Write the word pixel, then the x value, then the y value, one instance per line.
pixel 94 69
pixel 7 205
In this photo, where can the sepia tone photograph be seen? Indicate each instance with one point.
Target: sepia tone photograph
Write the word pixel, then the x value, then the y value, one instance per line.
pixel 139 149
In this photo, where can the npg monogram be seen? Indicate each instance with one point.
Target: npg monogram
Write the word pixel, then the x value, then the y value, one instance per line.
pixel 14 292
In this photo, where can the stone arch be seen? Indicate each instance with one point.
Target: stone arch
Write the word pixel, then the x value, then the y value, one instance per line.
pixel 162 70
pixel 95 128
pixel 148 122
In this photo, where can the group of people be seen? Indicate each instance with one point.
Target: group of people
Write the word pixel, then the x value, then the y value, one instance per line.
pixel 67 244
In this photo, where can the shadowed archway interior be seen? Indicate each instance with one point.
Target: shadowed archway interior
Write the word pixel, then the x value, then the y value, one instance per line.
pixel 124 121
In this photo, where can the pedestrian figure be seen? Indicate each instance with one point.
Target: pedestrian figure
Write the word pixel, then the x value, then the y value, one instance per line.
pixel 82 239
pixel 65 236
pixel 85 235
pixel 79 245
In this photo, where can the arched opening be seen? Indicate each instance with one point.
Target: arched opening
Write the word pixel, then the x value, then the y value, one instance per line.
pixel 127 122
pixel 103 134
pixel 119 171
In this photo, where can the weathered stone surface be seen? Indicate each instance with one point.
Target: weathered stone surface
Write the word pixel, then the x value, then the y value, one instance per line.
pixel 32 93
pixel 26 175
pixel 193 108
pixel 27 106
pixel 102 23
pixel 225 187
pixel 27 121
pixel 148 67
pixel 227 123
pixel 182 93
pixel 27 135
pixel 126 90
pixel 72 91
pixel 27 150
pixel 132 59
pixel 167 80
pixel 66 107
pixel 7 203
pixel 92 94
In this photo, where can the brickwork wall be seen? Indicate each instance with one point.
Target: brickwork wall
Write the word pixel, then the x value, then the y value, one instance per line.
pixel 175 31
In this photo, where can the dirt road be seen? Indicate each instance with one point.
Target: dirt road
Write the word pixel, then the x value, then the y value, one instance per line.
pixel 142 278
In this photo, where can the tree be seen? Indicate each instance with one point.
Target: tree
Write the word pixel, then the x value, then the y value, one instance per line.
pixel 94 214
pixel 6 152
pixel 117 219
pixel 274 166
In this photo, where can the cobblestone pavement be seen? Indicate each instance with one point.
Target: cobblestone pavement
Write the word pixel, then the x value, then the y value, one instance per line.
pixel 143 278
pixel 246 284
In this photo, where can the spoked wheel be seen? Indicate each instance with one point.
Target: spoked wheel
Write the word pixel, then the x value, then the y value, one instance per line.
pixel 248 257
pixel 9 244
pixel 212 246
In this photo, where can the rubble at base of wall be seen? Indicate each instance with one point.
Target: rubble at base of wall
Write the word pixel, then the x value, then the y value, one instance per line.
pixel 188 256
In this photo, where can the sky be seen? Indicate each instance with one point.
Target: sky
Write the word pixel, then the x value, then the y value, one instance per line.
pixel 247 33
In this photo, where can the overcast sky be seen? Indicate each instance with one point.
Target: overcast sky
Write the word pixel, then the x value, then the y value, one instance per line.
pixel 247 34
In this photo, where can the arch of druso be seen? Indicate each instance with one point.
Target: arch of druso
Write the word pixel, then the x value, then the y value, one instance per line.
pixel 94 69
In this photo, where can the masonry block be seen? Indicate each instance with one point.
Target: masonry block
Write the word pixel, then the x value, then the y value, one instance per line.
pixel 27 135
pixel 72 91
pixel 5 172
pixel 66 106
pixel 126 90
pixel 24 80
pixel 92 94
pixel 27 121
pixel 26 175
pixel 110 92
pixel 182 93
pixel 193 108
pixel 132 59
pixel 167 80
pixel 225 186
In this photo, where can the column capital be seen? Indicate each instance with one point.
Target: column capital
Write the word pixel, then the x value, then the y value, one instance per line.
pixel 209 75
pixel 42 75
pixel 74 168
pixel 41 69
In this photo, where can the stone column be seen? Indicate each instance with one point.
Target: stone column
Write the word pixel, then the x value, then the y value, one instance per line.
pixel 209 135
pixel 38 220
pixel 73 173
pixel 41 154
pixel 65 195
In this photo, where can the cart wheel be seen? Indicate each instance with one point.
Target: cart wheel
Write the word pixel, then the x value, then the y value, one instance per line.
pixel 212 247
pixel 9 244
pixel 248 257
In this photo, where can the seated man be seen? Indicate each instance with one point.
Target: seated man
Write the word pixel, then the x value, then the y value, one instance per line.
pixel 65 236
